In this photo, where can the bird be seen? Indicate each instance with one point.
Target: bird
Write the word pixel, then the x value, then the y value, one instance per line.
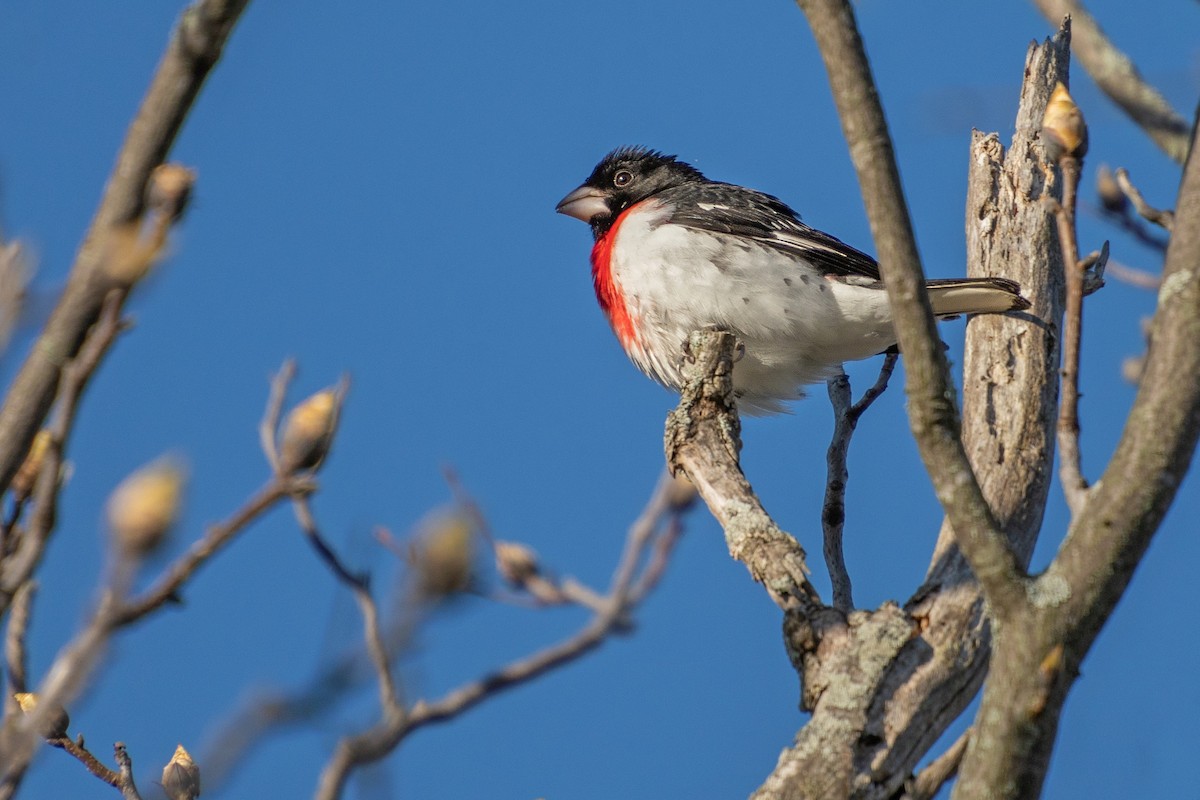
pixel 675 252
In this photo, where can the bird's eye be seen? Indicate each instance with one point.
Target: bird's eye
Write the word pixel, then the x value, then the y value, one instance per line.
pixel 622 178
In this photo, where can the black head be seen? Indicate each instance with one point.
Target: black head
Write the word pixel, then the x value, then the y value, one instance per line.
pixel 624 177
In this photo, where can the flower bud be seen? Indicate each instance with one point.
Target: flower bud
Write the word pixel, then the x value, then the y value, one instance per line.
pixel 443 556
pixel 145 506
pixel 55 720
pixel 170 189
pixel 1064 133
pixel 308 432
pixel 181 776
pixel 26 477
pixel 516 563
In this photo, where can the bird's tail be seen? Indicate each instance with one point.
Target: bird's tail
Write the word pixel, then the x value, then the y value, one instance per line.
pixel 952 296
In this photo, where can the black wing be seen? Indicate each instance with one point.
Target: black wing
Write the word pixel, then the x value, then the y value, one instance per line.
pixel 736 210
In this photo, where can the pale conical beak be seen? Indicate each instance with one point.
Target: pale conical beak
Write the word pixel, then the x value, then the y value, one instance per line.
pixel 585 203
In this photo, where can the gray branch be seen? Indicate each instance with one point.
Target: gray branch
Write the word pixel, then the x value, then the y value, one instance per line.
pixel 193 50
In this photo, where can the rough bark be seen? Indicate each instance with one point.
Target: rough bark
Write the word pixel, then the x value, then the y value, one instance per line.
pixel 1039 649
pixel 882 698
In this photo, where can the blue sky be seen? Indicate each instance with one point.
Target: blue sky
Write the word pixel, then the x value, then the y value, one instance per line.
pixel 376 193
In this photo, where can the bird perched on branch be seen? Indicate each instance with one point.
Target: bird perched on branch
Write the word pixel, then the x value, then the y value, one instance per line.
pixel 676 252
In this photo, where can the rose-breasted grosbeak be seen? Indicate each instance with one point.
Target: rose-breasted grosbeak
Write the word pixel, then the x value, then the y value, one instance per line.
pixel 676 252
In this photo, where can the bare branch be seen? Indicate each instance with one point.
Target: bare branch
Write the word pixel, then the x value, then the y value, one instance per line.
pixel 308 525
pixel 128 789
pixel 885 685
pixel 1075 486
pixel 1118 78
pixel 932 412
pixel 194 48
pixel 18 566
pixel 166 588
pixel 77 750
pixel 1163 219
pixel 833 510
pixel 269 428
pixel 1135 277
pixel 1037 656
pixel 14 282
pixel 929 781
pixel 395 725
pixel 702 442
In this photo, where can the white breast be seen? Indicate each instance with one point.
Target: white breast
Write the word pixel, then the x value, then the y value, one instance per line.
pixel 797 326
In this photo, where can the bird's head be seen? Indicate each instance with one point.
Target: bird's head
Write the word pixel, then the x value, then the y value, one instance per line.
pixel 624 177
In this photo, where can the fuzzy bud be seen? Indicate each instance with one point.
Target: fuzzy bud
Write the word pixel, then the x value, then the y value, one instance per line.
pixel 1064 133
pixel 516 563
pixel 128 257
pixel 26 477
pixel 443 556
pixel 55 720
pixel 145 506
pixel 308 432
pixel 170 189
pixel 181 776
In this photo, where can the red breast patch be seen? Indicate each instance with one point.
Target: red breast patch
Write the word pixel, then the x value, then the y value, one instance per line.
pixel 608 292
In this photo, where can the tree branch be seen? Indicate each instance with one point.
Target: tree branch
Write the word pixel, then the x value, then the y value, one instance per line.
pixel 933 415
pixel 1070 466
pixel 702 442
pixel 17 567
pixel 833 510
pixel 194 48
pixel 166 588
pixel 884 686
pixel 1037 656
pixel 1163 219
pixel 929 781
pixel 395 724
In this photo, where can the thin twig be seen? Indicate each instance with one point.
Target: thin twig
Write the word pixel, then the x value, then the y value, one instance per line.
pixel 249 726
pixel 31 544
pixel 1163 218
pixel 1135 228
pixel 18 567
pixel 389 695
pixel 166 588
pixel 1140 278
pixel 308 524
pixel 269 428
pixel 467 502
pixel 78 659
pixel 833 510
pixel 128 789
pixel 382 738
pixel 84 756
pixel 929 781
pixel 1070 470
pixel 660 556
